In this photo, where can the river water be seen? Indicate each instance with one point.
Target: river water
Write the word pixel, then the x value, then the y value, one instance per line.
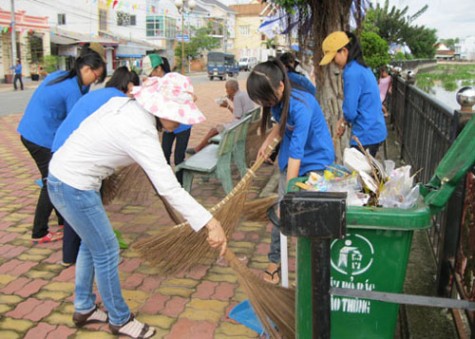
pixel 447 98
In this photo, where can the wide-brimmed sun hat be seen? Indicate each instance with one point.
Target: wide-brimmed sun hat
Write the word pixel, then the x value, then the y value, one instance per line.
pixel 150 62
pixel 332 43
pixel 169 97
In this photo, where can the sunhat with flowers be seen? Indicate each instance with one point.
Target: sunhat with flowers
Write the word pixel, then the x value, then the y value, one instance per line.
pixel 169 97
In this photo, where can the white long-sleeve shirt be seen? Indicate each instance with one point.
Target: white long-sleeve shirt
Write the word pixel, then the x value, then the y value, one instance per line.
pixel 116 135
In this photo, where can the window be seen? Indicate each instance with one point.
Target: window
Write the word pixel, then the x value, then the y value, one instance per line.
pixel 61 19
pixel 102 20
pixel 245 30
pixel 125 19
pixel 161 26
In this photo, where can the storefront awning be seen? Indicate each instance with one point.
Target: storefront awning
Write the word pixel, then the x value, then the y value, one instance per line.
pixel 62 40
pixel 132 50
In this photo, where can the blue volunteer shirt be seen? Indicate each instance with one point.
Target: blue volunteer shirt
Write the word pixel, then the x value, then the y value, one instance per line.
pixel 179 129
pixel 362 105
pixel 303 82
pixel 48 107
pixel 307 136
pixel 85 106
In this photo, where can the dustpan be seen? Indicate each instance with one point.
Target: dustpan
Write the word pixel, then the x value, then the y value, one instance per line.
pixel 244 314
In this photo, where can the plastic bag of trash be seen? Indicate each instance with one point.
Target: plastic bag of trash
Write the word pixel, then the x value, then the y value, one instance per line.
pixel 398 191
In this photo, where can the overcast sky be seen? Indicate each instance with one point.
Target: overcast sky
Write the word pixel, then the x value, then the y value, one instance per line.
pixel 451 18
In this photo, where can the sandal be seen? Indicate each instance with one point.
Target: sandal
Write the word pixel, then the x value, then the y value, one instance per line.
pixel 95 316
pixel 50 237
pixel 133 328
pixel 271 274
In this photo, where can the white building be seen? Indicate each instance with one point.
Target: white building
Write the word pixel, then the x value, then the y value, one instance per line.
pixel 466 48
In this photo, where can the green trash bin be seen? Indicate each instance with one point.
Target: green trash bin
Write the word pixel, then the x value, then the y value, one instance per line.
pixel 374 253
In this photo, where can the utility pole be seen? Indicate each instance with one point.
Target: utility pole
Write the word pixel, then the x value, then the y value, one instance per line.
pixel 13 33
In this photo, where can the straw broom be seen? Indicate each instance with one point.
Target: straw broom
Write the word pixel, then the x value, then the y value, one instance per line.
pixel 178 248
pixel 131 183
pixel 273 304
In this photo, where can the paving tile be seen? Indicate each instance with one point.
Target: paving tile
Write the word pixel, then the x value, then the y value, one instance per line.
pixel 39 292
pixel 188 328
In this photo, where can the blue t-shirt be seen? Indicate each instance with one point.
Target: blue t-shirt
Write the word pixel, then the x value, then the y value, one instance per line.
pixel 306 136
pixel 179 129
pixel 302 81
pixel 85 106
pixel 48 107
pixel 362 105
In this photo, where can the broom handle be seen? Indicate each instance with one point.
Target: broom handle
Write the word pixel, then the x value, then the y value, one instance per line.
pixel 251 172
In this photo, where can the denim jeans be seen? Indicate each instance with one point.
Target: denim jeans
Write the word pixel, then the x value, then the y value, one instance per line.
pixel 98 253
pixel 181 144
pixel 44 207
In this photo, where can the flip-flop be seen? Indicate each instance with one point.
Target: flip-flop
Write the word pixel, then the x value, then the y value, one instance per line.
pixel 272 277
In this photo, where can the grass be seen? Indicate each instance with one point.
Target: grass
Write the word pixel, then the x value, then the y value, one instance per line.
pixel 450 76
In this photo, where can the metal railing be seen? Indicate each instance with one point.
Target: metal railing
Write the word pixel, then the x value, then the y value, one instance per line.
pixel 426 129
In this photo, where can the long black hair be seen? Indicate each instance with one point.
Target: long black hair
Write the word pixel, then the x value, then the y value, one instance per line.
pixel 88 57
pixel 354 49
pixel 262 85
pixel 120 79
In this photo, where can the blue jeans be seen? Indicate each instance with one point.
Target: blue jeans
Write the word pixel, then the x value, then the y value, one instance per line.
pixel 98 253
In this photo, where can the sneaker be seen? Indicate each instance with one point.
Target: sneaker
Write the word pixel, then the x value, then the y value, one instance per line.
pixel 190 151
pixel 50 237
pixel 95 316
pixel 133 328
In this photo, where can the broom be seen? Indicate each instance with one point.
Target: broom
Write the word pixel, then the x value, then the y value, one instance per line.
pixel 256 210
pixel 178 248
pixel 131 183
pixel 273 304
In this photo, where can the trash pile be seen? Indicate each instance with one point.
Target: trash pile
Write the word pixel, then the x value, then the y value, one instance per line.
pixel 367 181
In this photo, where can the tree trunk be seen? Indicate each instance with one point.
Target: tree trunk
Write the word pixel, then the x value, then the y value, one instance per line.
pixel 329 16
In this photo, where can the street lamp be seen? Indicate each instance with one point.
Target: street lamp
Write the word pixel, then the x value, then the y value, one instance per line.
pixel 184 7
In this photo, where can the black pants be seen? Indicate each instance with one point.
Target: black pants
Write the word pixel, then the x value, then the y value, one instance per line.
pixel 44 207
pixel 71 243
pixel 180 148
pixel 17 77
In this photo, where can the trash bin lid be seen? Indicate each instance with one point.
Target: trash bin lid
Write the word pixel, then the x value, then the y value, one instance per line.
pixel 455 164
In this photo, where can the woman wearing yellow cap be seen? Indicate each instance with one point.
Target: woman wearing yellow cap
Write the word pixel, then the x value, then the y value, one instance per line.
pixel 362 108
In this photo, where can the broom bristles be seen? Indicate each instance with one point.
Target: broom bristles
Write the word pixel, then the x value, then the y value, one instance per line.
pixel 256 210
pixel 179 248
pixel 273 304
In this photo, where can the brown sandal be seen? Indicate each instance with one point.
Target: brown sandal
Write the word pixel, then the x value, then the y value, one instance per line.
pixel 95 316
pixel 133 329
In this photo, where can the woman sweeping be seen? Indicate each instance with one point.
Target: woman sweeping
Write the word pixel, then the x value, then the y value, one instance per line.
pixel 121 132
pixel 306 144
pixel 362 108
pixel 48 107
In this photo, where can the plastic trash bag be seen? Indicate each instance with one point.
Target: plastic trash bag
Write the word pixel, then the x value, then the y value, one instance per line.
pixel 398 191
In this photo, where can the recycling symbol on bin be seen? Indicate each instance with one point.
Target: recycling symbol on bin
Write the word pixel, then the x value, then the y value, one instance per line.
pixel 352 255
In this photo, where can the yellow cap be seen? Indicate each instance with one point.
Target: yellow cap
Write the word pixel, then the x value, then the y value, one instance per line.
pixel 332 44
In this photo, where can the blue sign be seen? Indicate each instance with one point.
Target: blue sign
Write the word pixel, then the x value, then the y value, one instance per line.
pixel 184 37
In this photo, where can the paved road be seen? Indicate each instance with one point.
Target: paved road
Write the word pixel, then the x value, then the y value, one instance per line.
pixel 16 101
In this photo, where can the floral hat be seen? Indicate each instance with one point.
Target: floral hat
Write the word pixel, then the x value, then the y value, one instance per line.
pixel 169 97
